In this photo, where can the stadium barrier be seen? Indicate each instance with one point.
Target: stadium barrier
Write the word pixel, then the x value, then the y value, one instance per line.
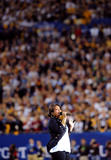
pixel 21 142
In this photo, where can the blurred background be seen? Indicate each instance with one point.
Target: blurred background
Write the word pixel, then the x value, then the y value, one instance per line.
pixel 55 51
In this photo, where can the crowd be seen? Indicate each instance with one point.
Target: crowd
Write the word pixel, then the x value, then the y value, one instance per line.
pixel 88 150
pixel 28 12
pixel 85 150
pixel 34 151
pixel 44 65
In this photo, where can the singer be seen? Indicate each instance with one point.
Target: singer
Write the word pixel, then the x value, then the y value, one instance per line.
pixel 59 144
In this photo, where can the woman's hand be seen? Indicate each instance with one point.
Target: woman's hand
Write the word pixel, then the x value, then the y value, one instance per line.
pixel 71 123
pixel 63 117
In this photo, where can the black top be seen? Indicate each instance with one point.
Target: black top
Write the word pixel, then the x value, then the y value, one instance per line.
pixel 56 130
pixel 84 150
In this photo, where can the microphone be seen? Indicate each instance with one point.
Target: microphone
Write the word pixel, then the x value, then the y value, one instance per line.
pixel 67 114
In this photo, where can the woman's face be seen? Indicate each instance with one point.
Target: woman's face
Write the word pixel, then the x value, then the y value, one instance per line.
pixel 57 111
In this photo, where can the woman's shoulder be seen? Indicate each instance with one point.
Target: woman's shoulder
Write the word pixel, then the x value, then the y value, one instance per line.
pixel 54 120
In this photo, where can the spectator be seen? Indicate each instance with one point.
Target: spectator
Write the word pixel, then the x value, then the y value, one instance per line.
pixel 94 150
pixel 108 150
pixel 31 150
pixel 109 121
pixel 94 31
pixel 1 91
pixel 2 126
pixel 40 151
pixel 83 150
pixel 102 126
pixel 13 153
pixel 74 150
pixel 78 127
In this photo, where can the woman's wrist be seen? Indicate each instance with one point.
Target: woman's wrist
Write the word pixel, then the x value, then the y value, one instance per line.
pixel 64 122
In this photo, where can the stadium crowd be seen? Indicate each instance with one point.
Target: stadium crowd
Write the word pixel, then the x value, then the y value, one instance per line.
pixel 43 65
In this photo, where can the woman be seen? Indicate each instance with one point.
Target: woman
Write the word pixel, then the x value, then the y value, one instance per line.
pixel 59 144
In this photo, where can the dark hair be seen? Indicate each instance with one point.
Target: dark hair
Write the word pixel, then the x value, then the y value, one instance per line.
pixel 51 109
